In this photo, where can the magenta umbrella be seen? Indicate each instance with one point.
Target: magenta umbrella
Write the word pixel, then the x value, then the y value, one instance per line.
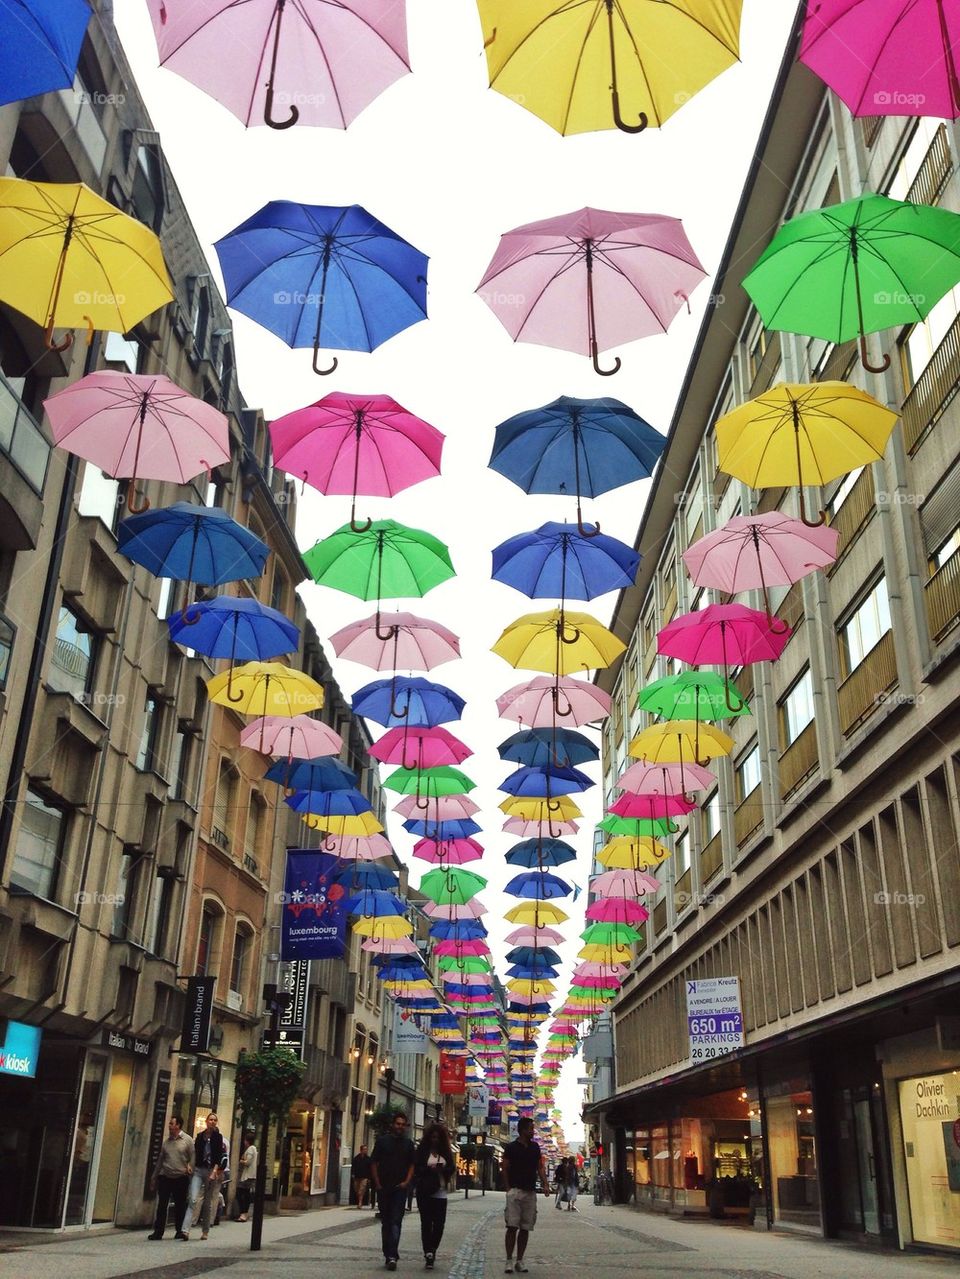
pixel 651 807
pixel 665 779
pixel 324 62
pixel 617 910
pixel 298 738
pixel 139 426
pixel 355 444
pixel 440 808
pixel 590 280
pixel 887 57
pixel 413 643
pixel 448 852
pixel 476 947
pixel 419 747
pixel 599 983
pixel 540 702
pixel 722 635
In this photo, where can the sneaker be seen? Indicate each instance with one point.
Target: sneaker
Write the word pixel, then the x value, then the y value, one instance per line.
pixel 508 1268
pixel 429 1259
pixel 154 1236
pixel 205 1235
pixel 182 1234
pixel 521 1268
pixel 391 1263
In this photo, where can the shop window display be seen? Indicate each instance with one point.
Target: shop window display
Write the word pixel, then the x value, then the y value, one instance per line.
pixel 930 1116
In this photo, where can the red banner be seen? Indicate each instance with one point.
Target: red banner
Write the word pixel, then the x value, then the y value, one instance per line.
pixel 453 1074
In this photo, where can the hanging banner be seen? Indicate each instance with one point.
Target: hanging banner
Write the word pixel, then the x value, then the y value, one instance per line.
pixel 453 1074
pixel 478 1099
pixel 312 921
pixel 195 1035
pixel 294 980
pixel 407 1035
pixel 494 1113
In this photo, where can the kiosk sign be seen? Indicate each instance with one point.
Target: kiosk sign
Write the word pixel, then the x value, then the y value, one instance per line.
pixel 714 1017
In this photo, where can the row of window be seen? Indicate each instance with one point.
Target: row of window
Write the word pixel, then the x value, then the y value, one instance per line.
pixel 210 947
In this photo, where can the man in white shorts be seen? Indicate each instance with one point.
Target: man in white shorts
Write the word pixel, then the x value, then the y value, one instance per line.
pixel 523 1166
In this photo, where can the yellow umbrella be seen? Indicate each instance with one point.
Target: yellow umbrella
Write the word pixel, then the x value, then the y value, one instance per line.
pixel 597 953
pixel 807 433
pixel 527 986
pixel 266 688
pixel 561 809
pixel 572 64
pixel 536 913
pixel 624 853
pixel 71 259
pixel 558 642
pixel 344 826
pixel 385 927
pixel 680 741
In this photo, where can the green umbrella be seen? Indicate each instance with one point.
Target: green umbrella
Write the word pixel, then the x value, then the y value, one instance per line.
pixel 386 561
pixel 609 934
pixel 636 827
pixel 693 695
pixel 429 783
pixel 453 886
pixel 850 269
pixel 467 964
pixel 588 992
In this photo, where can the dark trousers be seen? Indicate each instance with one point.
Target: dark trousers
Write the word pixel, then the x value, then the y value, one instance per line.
pixel 433 1217
pixel 168 1188
pixel 393 1203
pixel 245 1191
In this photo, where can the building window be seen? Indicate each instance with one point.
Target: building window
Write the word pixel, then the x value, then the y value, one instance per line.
pixel 238 965
pixel 842 491
pixel 224 808
pixel 865 627
pixel 74 657
pixel 179 765
pixel 147 761
pixel 39 850
pixel 256 820
pixel 919 343
pixel 206 942
pixel 8 634
pixel 278 597
pixel 796 709
pixel 681 853
pixel 166 600
pixel 711 817
pixel 748 774
pixel 160 911
pixel 755 347
pixel 201 317
pixel 945 551
pixel 148 198
pixel 99 496
pixel 125 894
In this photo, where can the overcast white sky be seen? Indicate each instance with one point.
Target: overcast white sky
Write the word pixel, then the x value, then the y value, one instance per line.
pixel 450 165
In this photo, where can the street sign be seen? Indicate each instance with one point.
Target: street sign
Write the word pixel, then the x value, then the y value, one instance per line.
pixel 478 1099
pixel 714 1017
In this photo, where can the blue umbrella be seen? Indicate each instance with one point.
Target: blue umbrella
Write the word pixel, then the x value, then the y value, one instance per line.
pixel 371 901
pixel 543 1007
pixel 582 446
pixel 234 627
pixel 321 276
pixel 329 803
pixel 192 544
pixel 539 886
pixel 408 1001
pixel 407 701
pixel 325 773
pixel 406 962
pixel 442 832
pixel 395 973
pixel 551 747
pixel 557 560
pixel 532 972
pixel 546 782
pixel 537 853
pixel 532 955
pixel 451 988
pixel 39 46
pixel 366 875
pixel 457 929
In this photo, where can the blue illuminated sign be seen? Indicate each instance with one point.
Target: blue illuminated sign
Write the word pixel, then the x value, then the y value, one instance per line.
pixel 20 1050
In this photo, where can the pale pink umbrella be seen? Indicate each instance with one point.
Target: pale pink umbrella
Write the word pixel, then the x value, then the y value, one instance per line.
pixel 299 737
pixel 139 426
pixel 537 830
pixel 359 848
pixel 526 1001
pixel 624 883
pixel 317 62
pixel 590 280
pixel 419 747
pixel 440 808
pixel 448 852
pixel 413 643
pixel 599 983
pixel 392 946
pixel 589 968
pixel 452 910
pixel 665 779
pixel 466 979
pixel 527 936
pixel 540 702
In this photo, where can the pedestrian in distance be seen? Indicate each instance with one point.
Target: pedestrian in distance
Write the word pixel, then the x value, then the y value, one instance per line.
pixel 571 1187
pixel 433 1171
pixel 210 1162
pixel 392 1165
pixel 360 1173
pixel 523 1168
pixel 559 1183
pixel 247 1183
pixel 170 1178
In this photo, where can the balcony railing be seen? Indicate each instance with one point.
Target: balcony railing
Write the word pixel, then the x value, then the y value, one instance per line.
pixel 933 390
pixel 767 368
pixel 799 759
pixel 857 507
pixel 219 837
pixel 711 858
pixel 21 438
pixel 934 172
pixel 870 126
pixel 942 594
pixel 862 691
pixel 683 892
pixel 748 816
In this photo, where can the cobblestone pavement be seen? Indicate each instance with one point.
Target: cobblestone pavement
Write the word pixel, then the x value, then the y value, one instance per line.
pixel 342 1243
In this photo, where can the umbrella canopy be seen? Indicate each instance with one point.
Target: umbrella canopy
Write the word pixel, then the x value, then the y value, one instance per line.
pixel 359 847
pixel 452 852
pixel 138 426
pixel 312 774
pixel 559 560
pixel 891 58
pixel 540 702
pixel 541 810
pixel 680 741
pixel 457 929
pixel 558 642
pixel 536 913
pixel 453 885
pixel 632 828
pixel 386 561
pixel 329 803
pixel 274 63
pixel 624 883
pixel 538 783
pixel 446 949
pixel 693 695
pixel 412 643
pixel 366 875
pixel 532 955
pixel 537 885
pixel 319 276
pixel 665 779
pixel 71 259
pixel 609 934
pixel 40 46
pixel 429 782
pixel 538 853
pixel 590 280
pixel 851 269
pixel 540 747
pixel 723 635
pixel 455 910
pixel 234 627
pixel 265 688
pixel 192 544
pixel 458 828
pixel 419 748
pixel 392 946
pixel 374 904
pixel 803 434
pixel 407 700
pixel 382 927
pixel 440 807
pixel 536 829
pixel 652 806
pixel 300 737
pixel 356 444
pixel 573 64
pixel 534 936
pixel 341 826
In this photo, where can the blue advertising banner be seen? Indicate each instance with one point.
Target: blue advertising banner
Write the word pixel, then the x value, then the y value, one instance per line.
pixel 313 922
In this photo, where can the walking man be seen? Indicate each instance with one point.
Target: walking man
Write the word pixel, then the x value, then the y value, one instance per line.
pixel 360 1172
pixel 523 1167
pixel 392 1169
pixel 171 1178
pixel 210 1162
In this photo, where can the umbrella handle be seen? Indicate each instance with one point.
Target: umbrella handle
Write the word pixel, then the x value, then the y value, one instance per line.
pixel 803 514
pixel 391 631
pixel 619 121
pixel 553 805
pixel 583 530
pixel 186 619
pixel 230 696
pixel 421 802
pixel 323 372
pixel 573 638
pixel 268 114
pixel 329 843
pixel 865 359
pixel 56 346
pixel 556 705
pixel 131 500
pixel 490 39
pixel 594 355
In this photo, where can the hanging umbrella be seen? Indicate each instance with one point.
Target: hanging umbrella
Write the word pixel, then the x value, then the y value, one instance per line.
pixel 559 560
pixel 722 635
pixel 356 444
pixel 455 910
pixel 312 774
pixel 452 852
pixel 451 885
pixel 359 847
pixel 631 828
pixel 851 269
pixel 329 803
pixel 469 965
pixel 651 807
pixel 413 643
pixel 898 57
pixel 71 259
pixel 589 280
pixel 40 44
pixel 443 808
pixel 538 885
pixel 265 688
pixel 324 63
pixel 138 427
pixel 318 276
pixel 366 875
pixel 340 826
pixel 448 949
pixel 300 737
pixel 532 955
pixel 537 853
pixel 457 929
pixel 391 946
pixel 665 779
pixel 693 695
pixel 442 832
pixel 539 747
pixel 428 783
pixel 570 64
pixel 534 936
pixel 386 561
pixel 558 642
pixel 407 701
pixel 536 913
pixel 541 810
pixel 803 434
pixel 624 883
pixel 234 627
pixel 609 935
pixel 382 927
pixel 419 748
pixel 680 741
pixel 540 783
pixel 372 902
pixel 528 829
pixel 540 702
pixel 192 544
pixel 533 972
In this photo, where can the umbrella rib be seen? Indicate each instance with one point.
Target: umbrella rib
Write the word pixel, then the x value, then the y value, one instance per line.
pixel 562 9
pixel 591 26
pixel 298 6
pixel 351 245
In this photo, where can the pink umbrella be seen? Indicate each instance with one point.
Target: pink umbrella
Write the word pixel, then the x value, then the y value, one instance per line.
pixel 356 444
pixel 538 830
pixel 466 979
pixel 590 969
pixel 888 57
pixel 624 883
pixel 590 280
pixel 321 62
pixel 600 983
pixel 359 848
pixel 665 779
pixel 527 936
pixel 722 635
pixel 139 426
pixel 616 910
pixel 540 702
pixel 419 747
pixel 392 946
pixel 448 852
pixel 451 910
pixel 440 808
pixel 474 947
pixel 651 807
pixel 297 738
pixel 414 643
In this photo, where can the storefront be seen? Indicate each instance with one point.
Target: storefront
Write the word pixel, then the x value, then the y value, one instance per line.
pixel 930 1120
pixel 791 1140
pixel 309 1171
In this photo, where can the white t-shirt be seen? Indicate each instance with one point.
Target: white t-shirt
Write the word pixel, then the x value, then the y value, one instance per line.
pixel 438 1162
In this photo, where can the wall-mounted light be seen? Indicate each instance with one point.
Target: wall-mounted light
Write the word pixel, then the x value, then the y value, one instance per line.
pixel 369 1059
pixel 355 1053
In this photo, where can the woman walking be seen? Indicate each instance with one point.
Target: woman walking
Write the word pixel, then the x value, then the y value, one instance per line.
pixel 248 1175
pixel 433 1170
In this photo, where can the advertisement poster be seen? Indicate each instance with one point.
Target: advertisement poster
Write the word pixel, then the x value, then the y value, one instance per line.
pixel 407 1035
pixel 453 1074
pixel 714 1017
pixel 312 921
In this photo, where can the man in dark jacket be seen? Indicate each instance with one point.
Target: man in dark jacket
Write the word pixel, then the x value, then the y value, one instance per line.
pixel 209 1165
pixel 360 1172
pixel 392 1168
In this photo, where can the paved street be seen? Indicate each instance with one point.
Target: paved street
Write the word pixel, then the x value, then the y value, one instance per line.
pixel 339 1243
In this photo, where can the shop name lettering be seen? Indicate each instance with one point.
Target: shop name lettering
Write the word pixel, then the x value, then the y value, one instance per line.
pixel 931 1103
pixel 15 1065
pixel 315 930
pixel 139 1046
pixel 197 1016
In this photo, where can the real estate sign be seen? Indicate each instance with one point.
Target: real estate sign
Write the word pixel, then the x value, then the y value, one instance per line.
pixel 714 1017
